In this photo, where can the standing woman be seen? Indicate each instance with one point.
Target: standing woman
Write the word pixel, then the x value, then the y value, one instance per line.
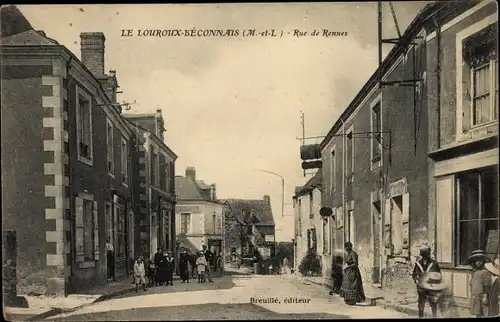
pixel 159 260
pixel 352 286
pixel 184 266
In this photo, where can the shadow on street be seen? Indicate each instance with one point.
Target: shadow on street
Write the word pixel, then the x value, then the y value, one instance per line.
pixel 198 312
pixel 220 283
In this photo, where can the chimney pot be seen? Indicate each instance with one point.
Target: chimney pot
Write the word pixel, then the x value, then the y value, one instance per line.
pixel 92 51
pixel 191 173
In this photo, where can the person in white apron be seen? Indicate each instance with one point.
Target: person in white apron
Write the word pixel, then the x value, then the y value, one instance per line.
pixel 423 266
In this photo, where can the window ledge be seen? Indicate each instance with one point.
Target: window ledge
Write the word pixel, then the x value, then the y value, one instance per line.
pixel 85 160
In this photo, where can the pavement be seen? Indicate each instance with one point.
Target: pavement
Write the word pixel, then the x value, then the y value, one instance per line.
pixel 233 296
pixel 386 299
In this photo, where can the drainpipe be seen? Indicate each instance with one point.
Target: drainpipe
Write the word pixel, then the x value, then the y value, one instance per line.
pixel 438 111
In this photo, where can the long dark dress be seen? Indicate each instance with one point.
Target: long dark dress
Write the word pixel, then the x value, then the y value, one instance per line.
pixel 169 270
pixel 184 266
pixel 159 260
pixel 352 286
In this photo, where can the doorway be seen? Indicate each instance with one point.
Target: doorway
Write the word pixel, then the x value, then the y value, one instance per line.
pixel 377 240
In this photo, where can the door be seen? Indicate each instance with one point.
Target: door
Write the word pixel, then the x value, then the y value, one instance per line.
pixel 377 240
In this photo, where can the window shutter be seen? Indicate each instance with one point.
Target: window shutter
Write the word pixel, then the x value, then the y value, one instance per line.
pixel 387 227
pixel 79 230
pixel 405 222
pixel 445 199
pixel 340 217
pixel 96 231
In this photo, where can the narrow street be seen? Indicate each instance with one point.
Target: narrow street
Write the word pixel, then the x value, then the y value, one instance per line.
pixel 229 297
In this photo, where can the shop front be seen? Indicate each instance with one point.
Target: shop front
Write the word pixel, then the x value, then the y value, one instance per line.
pixel 466 213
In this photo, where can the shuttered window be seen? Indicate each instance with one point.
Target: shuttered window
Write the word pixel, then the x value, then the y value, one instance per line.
pixel 87 230
pixel 396 225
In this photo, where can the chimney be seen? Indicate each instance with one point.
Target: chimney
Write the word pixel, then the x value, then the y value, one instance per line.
pixel 191 173
pixel 92 50
pixel 267 199
pixel 213 193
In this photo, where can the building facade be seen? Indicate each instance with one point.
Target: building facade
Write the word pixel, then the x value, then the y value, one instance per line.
pixel 463 140
pixel 199 214
pixel 250 227
pixel 311 230
pixel 155 185
pixel 56 203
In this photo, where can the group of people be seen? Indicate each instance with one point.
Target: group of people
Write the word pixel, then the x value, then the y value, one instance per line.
pixel 431 287
pixel 161 268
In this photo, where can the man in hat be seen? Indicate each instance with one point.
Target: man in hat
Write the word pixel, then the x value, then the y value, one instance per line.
pixel 480 284
pixel 494 298
pixel 422 266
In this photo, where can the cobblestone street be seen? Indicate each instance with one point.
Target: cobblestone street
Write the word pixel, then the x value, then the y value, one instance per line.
pixel 229 297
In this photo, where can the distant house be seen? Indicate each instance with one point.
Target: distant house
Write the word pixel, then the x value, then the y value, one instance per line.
pixel 249 226
pixel 199 215
pixel 311 230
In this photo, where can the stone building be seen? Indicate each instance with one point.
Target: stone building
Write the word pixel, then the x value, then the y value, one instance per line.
pixel 199 214
pixel 54 107
pixel 154 164
pixel 463 139
pixel 249 227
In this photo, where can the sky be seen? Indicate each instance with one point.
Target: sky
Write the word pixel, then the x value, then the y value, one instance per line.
pixel 232 104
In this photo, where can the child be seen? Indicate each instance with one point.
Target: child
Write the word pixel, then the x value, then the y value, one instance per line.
pixel 139 274
pixel 150 272
pixel 494 299
pixel 424 265
pixel 480 284
pixel 438 293
pixel 201 264
pixel 337 274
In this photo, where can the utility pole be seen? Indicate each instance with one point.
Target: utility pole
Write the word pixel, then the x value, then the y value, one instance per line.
pixel 303 124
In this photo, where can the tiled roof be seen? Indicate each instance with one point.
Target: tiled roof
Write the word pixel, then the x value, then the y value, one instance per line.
pixel 13 21
pixel 186 189
pixel 259 208
pixel 202 184
pixel 27 38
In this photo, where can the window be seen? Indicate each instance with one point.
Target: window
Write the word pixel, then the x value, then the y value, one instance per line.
pixel 109 221
pixel 477 80
pixel 376 136
pixel 477 213
pixel 311 213
pixel 120 232
pixel 326 237
pixel 300 217
pixel 87 230
pixel 167 176
pixel 396 223
pixel 154 165
pixel 349 155
pixel 350 226
pixel 185 223
pixel 214 223
pixel 124 155
pixel 110 145
pixel 84 127
pixel 311 239
pixel 333 170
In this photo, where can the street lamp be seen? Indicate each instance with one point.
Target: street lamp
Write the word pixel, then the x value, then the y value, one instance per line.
pixel 282 189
